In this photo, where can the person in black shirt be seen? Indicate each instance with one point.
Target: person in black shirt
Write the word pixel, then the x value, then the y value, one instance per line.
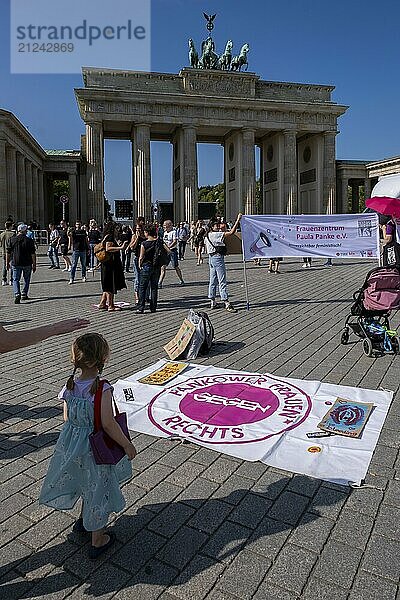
pixel 63 243
pixel 95 237
pixel 21 254
pixel 78 241
pixel 126 236
pixel 149 273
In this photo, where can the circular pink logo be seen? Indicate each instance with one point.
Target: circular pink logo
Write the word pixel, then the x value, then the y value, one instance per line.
pixel 229 408
pixel 229 404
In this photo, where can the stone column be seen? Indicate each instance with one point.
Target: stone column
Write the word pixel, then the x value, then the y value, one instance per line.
pixel 329 186
pixel 41 201
pixel 95 173
pixel 35 193
pixel 72 206
pixel 189 172
pixel 141 171
pixel 28 179
pixel 367 187
pixel 344 192
pixel 248 172
pixel 355 197
pixel 290 171
pixel 12 192
pixel 21 188
pixel 3 183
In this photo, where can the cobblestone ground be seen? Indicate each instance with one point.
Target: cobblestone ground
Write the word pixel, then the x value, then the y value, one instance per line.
pixel 198 524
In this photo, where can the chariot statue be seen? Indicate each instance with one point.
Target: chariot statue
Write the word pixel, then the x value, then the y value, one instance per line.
pixel 209 58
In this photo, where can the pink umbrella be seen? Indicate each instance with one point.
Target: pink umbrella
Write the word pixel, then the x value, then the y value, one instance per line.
pixel 384 205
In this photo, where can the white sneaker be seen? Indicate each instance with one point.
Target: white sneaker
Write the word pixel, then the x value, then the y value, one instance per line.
pixel 70 282
pixel 4 283
pixel 84 279
pixel 66 270
pixel 229 307
pixel 10 283
pixel 305 265
pixel 69 269
pixel 213 304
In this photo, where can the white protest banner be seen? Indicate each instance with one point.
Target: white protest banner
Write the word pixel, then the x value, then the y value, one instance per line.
pixel 341 236
pixel 260 417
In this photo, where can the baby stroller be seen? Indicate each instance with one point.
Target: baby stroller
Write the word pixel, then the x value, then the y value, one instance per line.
pixel 369 315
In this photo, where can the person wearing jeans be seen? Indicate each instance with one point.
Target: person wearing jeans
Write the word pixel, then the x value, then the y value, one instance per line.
pixel 78 241
pixel 21 255
pixel 149 272
pixel 4 237
pixel 53 247
pixel 216 249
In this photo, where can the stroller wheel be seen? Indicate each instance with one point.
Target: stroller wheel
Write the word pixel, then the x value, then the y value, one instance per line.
pixel 367 347
pixel 344 338
pixel 395 345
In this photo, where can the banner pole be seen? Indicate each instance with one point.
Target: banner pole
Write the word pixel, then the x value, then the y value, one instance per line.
pixel 244 266
pixel 245 284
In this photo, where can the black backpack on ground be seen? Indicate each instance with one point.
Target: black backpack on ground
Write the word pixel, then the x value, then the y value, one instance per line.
pixel 203 336
pixel 161 256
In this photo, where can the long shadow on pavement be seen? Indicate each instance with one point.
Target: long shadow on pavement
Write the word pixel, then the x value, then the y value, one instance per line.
pixel 160 540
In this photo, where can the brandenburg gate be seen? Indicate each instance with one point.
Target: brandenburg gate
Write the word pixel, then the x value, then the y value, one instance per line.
pixel 293 124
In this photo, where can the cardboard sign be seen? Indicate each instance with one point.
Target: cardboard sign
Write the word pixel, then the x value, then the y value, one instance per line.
pixel 347 417
pixel 177 345
pixel 165 374
pixel 233 243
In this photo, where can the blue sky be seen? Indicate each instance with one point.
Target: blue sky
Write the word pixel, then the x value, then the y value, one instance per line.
pixel 351 44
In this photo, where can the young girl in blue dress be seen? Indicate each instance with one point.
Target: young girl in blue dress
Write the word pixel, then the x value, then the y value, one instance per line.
pixel 73 473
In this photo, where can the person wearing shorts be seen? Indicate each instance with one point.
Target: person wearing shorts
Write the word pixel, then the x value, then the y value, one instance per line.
pixel 63 242
pixel 171 241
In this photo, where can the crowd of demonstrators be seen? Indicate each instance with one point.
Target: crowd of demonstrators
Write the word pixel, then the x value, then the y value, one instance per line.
pixel 124 247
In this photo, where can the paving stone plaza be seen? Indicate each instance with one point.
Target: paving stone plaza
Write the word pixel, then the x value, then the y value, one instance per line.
pixel 198 524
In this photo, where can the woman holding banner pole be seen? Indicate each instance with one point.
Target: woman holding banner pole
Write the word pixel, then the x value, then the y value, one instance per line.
pixel 216 249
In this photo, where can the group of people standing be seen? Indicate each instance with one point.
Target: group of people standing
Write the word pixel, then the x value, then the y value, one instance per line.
pixel 149 248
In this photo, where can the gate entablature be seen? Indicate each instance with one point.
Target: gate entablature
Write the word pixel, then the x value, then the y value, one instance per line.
pixel 201 105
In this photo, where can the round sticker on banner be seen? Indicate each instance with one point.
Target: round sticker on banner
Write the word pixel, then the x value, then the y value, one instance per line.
pixel 229 408
pixel 314 449
pixel 64 199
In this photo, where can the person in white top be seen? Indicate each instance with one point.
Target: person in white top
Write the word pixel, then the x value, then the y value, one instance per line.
pixel 216 249
pixel 171 241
